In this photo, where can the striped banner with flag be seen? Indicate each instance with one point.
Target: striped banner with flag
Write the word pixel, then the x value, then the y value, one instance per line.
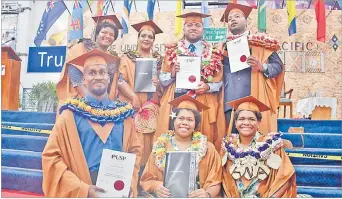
pixel 205 10
pixel 150 8
pixel 178 21
pixel 262 15
pixel 76 23
pixel 291 12
pixel 125 16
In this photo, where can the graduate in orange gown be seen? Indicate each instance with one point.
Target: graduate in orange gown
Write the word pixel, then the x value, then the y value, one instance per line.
pixel 147 32
pixel 86 126
pixel 209 90
pixel 255 164
pixel 184 137
pixel 263 79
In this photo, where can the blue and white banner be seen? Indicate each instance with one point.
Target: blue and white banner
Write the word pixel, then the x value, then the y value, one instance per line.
pixel 46 59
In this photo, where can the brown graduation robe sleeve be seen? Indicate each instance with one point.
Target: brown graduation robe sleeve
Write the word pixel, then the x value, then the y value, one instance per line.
pixel 65 170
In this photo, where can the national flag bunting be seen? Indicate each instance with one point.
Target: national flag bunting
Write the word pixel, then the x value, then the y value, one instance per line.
pixel 150 8
pixel 291 12
pixel 126 11
pixel 76 23
pixel 54 9
pixel 262 16
pixel 205 10
pixel 321 20
pixel 178 21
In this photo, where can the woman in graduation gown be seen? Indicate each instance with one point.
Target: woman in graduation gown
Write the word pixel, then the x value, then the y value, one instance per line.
pixel 255 165
pixel 70 82
pixel 147 32
pixel 184 137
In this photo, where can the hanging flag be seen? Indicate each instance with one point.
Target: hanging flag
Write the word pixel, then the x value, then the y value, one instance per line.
pixel 262 16
pixel 178 21
pixel 106 7
pixel 150 8
pixel 321 20
pixel 99 7
pixel 126 11
pixel 291 12
pixel 76 23
pixel 53 11
pixel 339 2
pixel 205 10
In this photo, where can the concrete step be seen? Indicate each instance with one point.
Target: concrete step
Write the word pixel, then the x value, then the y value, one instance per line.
pixel 21 159
pixel 323 153
pixel 319 176
pixel 28 117
pixel 320 192
pixel 23 142
pixel 314 140
pixel 29 180
pixel 311 126
pixel 45 126
pixel 21 132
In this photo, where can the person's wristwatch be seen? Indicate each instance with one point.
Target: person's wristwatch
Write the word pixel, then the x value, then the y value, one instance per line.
pixel 209 195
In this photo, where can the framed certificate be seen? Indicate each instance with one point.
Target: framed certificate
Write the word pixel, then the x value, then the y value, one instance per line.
pixel 145 69
pixel 180 173
pixel 189 74
pixel 238 51
pixel 115 173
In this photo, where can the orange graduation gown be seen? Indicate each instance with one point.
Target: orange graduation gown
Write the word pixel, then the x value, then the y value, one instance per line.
pixel 210 171
pixel 65 170
pixel 269 186
pixel 127 70
pixel 213 119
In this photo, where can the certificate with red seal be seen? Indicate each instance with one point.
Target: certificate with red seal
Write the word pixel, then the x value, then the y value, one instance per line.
pixel 189 74
pixel 238 52
pixel 115 173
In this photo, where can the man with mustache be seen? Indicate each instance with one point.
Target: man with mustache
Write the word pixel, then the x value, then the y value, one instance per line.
pixel 265 75
pixel 209 85
pixel 86 126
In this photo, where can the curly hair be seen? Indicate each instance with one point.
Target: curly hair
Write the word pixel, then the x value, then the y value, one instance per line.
pixel 106 24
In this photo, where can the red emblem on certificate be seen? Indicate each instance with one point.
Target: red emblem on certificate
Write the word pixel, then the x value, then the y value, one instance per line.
pixel 119 185
pixel 243 58
pixel 192 79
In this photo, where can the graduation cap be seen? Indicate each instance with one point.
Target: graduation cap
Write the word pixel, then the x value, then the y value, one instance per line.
pixel 248 103
pixel 193 17
pixel 188 102
pixel 147 25
pixel 93 57
pixel 245 10
pixel 109 18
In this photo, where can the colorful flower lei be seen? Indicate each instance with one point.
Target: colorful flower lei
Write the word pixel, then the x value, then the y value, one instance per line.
pixel 262 150
pixel 116 112
pixel 259 40
pixel 198 144
pixel 211 57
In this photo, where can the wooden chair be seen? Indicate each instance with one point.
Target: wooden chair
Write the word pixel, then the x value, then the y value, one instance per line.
pixel 284 101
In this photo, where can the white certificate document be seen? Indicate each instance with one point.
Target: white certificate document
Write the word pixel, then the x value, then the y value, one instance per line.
pixel 115 173
pixel 189 74
pixel 238 52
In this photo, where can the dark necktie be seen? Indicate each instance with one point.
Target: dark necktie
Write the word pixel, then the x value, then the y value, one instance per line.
pixel 192 48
